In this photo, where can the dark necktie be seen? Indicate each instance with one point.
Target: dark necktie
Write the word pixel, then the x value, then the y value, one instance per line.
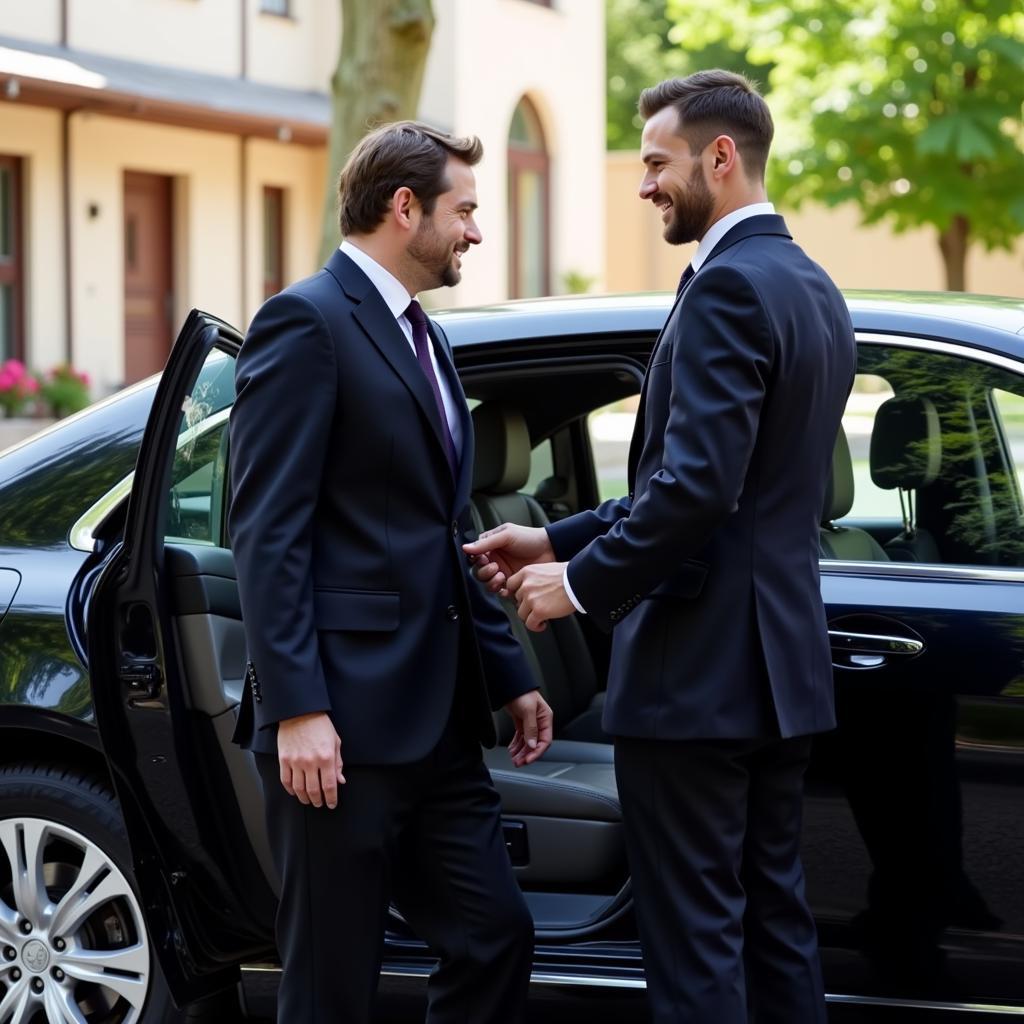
pixel 421 342
pixel 684 279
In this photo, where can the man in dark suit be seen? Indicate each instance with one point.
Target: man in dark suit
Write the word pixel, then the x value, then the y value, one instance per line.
pixel 351 463
pixel 708 572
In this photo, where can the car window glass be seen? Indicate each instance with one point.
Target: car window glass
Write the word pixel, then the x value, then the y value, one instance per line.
pixel 541 466
pixel 196 503
pixel 935 441
pixel 1009 409
pixel 610 429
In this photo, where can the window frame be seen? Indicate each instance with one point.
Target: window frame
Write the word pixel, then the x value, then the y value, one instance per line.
pixel 12 270
pixel 520 160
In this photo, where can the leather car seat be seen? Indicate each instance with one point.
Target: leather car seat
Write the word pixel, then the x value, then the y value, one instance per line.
pixel 906 455
pixel 560 654
pixel 845 543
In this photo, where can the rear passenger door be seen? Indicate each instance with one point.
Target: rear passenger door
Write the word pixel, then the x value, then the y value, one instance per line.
pixel 913 826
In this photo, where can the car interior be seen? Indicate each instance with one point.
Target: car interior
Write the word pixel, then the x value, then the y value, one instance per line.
pixel 938 443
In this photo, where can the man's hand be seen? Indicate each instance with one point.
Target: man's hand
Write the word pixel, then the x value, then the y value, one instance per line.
pixel 309 753
pixel 539 593
pixel 500 553
pixel 534 723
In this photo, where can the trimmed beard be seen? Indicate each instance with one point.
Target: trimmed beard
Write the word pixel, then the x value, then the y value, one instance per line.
pixel 691 211
pixel 433 255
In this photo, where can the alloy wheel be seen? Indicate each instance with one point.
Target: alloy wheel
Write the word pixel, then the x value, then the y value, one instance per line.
pixel 73 945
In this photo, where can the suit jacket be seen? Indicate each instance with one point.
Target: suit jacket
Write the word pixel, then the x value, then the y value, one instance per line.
pixel 346 526
pixel 708 571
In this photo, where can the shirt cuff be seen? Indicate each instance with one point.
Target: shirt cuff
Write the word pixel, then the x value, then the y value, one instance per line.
pixel 570 594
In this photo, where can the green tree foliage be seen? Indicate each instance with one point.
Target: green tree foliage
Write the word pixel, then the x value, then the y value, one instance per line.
pixel 644 46
pixel 911 109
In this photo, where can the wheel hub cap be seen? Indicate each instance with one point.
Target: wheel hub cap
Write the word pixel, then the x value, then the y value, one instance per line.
pixel 36 956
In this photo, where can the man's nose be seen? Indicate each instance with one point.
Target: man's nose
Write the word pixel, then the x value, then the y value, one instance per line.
pixel 648 187
pixel 472 233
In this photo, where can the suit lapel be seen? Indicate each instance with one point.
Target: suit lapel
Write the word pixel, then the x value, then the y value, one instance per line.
pixel 373 315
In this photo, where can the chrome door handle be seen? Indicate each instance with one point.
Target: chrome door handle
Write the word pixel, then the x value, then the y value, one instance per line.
pixel 873 643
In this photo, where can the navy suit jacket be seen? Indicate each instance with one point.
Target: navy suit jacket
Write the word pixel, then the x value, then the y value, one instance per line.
pixel 708 571
pixel 346 526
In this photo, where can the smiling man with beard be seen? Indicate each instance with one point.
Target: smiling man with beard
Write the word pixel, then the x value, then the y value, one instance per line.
pixel 707 571
pixel 375 659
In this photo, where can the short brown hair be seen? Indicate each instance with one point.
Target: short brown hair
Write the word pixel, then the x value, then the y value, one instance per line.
pixel 713 103
pixel 405 153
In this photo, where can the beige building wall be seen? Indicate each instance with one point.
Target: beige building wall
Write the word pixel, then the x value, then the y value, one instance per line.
pixel 486 55
pixel 207 220
pixel 502 50
pixel 638 259
pixel 38 20
pixel 203 36
pixel 298 52
pixel 34 135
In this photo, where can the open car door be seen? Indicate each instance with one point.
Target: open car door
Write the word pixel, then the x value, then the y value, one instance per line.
pixel 166 661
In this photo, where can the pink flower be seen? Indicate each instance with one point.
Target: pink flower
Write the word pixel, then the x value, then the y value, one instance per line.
pixel 6 380
pixel 30 385
pixel 84 378
pixel 15 366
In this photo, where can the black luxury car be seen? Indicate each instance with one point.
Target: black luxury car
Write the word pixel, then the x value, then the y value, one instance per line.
pixel 133 857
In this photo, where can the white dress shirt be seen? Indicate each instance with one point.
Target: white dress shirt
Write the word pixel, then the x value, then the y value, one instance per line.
pixel 397 299
pixel 712 237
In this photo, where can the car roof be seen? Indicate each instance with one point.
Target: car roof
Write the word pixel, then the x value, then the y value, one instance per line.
pixel 974 319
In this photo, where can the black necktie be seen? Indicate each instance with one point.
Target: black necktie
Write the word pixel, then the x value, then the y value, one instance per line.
pixel 421 342
pixel 685 278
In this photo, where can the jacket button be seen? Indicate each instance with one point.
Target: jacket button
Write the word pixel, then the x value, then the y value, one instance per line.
pixel 451 613
pixel 455 529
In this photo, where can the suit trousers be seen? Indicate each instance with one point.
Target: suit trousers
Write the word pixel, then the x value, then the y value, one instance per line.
pixel 426 835
pixel 712 834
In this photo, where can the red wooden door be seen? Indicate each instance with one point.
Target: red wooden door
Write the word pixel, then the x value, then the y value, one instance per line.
pixel 148 263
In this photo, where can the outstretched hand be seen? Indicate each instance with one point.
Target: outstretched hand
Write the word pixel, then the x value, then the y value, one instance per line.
pixel 534 722
pixel 500 553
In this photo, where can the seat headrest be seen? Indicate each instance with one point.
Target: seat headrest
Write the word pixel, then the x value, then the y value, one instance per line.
pixel 906 444
pixel 502 463
pixel 839 490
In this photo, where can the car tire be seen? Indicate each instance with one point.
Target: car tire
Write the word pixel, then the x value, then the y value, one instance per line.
pixel 68 825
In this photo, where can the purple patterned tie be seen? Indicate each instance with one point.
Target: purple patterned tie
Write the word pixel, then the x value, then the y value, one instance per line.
pixel 421 341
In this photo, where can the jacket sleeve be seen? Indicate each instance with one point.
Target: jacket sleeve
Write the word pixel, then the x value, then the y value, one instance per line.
pixel 571 535
pixel 720 364
pixel 506 670
pixel 285 382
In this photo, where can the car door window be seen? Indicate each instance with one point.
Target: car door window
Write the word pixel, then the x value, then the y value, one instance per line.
pixel 935 442
pixel 196 504
pixel 610 429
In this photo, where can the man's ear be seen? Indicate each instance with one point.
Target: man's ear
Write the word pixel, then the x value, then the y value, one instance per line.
pixel 724 156
pixel 405 207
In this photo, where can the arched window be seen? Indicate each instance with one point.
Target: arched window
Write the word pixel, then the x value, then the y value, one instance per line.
pixel 529 206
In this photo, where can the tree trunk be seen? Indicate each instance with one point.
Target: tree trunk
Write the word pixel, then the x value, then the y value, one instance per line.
pixel 953 243
pixel 384 46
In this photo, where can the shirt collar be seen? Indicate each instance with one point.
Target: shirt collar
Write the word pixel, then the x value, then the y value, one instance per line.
pixel 392 291
pixel 718 230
